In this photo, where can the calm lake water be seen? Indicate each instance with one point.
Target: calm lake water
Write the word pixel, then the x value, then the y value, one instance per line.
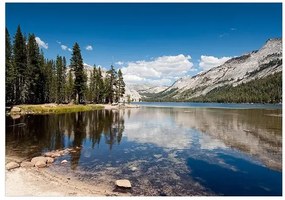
pixel 163 148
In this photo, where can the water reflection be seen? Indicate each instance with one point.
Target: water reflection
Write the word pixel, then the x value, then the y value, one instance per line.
pixel 50 132
pixel 161 150
pixel 255 132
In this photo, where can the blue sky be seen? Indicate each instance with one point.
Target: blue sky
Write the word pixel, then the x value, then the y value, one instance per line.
pixel 155 43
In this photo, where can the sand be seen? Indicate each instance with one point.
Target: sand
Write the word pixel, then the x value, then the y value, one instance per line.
pixel 22 182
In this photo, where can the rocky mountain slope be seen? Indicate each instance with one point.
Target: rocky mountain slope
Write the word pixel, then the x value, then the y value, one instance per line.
pixel 248 67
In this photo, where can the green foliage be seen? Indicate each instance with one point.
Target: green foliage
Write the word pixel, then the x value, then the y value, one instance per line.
pixel 9 71
pixel 20 67
pixel 76 63
pixel 120 86
pixel 264 90
pixel 34 75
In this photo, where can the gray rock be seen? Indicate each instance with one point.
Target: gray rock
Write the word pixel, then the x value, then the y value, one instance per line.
pixel 40 164
pixel 12 165
pixel 123 183
pixel 27 164
pixel 39 158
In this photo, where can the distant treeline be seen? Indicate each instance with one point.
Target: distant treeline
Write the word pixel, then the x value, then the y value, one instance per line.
pixel 263 90
pixel 33 79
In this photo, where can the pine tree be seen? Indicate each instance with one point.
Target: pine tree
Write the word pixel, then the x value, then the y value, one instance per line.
pixel 120 85
pixel 20 63
pixel 100 87
pixel 111 83
pixel 76 63
pixel 60 77
pixel 9 72
pixel 69 86
pixel 34 73
pixel 48 71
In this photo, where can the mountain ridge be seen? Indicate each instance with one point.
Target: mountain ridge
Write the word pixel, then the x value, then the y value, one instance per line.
pixel 257 64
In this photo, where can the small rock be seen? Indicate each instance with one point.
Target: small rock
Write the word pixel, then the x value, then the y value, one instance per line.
pixel 134 169
pixel 15 109
pixel 27 164
pixel 40 164
pixel 49 160
pixel 15 116
pixel 64 161
pixel 39 158
pixel 157 156
pixel 72 151
pixel 48 154
pixel 123 183
pixel 54 155
pixel 12 165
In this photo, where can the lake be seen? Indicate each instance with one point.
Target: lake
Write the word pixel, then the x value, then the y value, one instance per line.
pixel 164 149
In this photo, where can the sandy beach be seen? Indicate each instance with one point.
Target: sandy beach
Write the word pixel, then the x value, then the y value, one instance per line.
pixel 38 182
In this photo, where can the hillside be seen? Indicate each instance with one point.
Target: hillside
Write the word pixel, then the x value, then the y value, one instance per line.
pixel 240 71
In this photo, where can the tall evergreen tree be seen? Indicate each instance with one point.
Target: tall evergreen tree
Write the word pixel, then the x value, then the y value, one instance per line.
pixel 76 63
pixel 20 63
pixel 111 83
pixel 34 73
pixel 9 71
pixel 120 86
pixel 69 86
pixel 100 87
pixel 60 77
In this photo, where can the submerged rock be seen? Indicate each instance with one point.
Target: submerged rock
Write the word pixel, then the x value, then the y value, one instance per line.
pixel 123 183
pixel 12 165
pixel 27 164
pixel 64 161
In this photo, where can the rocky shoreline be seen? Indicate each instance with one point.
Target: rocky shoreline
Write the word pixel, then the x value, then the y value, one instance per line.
pixel 31 177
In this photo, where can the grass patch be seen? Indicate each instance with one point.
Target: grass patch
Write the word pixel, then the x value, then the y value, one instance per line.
pixel 54 108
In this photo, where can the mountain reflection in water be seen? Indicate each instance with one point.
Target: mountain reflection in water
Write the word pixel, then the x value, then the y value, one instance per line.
pixel 153 146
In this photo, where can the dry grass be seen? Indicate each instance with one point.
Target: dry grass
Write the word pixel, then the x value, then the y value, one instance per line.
pixel 58 108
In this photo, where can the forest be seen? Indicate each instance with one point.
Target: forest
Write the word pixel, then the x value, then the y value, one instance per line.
pixel 263 90
pixel 33 79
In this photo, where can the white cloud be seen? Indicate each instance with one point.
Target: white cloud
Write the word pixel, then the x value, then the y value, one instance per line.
pixel 41 43
pixel 119 63
pixel 69 49
pixel 58 42
pixel 89 48
pixel 63 47
pixel 160 71
pixel 208 62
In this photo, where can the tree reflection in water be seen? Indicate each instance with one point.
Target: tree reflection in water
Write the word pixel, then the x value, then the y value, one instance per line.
pixel 51 132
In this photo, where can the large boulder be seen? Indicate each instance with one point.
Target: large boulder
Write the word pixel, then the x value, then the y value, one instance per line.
pixel 26 164
pixel 12 165
pixel 123 183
